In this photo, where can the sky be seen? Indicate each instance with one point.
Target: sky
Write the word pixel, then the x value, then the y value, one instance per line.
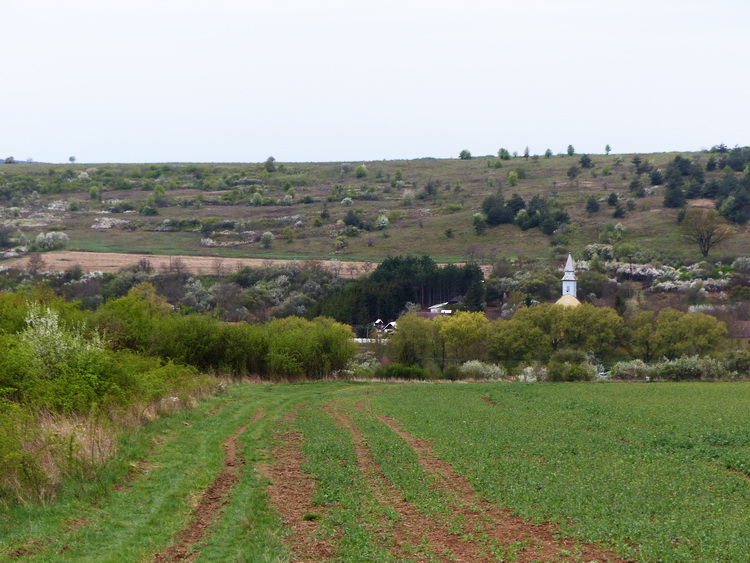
pixel 361 80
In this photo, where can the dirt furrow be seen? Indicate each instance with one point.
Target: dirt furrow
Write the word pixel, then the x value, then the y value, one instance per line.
pixel 522 540
pixel 211 500
pixel 290 493
pixel 413 527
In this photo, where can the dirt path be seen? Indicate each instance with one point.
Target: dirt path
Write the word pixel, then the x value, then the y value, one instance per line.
pixel 111 262
pixel 290 493
pixel 522 540
pixel 211 501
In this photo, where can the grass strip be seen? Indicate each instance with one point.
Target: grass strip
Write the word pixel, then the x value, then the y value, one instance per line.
pixel 139 519
pixel 352 512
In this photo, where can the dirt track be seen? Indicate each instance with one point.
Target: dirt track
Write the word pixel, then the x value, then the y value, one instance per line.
pixel 111 262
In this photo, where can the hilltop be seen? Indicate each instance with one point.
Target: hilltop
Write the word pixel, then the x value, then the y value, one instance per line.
pixel 365 210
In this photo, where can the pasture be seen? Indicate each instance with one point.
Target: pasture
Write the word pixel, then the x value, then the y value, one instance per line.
pixel 416 472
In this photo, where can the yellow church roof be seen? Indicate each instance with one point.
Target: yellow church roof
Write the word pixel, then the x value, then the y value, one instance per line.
pixel 568 300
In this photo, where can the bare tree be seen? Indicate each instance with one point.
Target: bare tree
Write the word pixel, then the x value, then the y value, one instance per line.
pixel 706 228
pixel 35 264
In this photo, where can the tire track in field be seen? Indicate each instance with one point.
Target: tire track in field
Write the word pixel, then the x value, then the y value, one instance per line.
pixel 413 527
pixel 211 500
pixel 529 542
pixel 290 493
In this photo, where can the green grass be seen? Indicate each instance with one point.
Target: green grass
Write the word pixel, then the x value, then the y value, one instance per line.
pixel 658 471
pixel 623 464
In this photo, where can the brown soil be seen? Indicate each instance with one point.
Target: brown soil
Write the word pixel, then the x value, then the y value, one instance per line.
pixel 211 500
pixel 111 262
pixel 25 551
pixel 532 542
pixel 220 406
pixel 412 527
pixel 290 493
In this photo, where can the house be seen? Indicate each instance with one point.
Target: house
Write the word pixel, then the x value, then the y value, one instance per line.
pixel 445 308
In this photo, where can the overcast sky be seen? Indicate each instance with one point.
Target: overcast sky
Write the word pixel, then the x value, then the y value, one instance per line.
pixel 350 80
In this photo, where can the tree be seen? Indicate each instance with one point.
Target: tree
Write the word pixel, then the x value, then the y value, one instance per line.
pixel 415 341
pixel 586 161
pixel 463 334
pixel 571 150
pixel 607 149
pixel 674 197
pixel 548 153
pixel 503 154
pixel 72 159
pixel 706 228
pixel 592 204
pixel 526 153
pixel 270 164
pixel 35 264
pixel 464 155
pixel 10 160
pixel 266 239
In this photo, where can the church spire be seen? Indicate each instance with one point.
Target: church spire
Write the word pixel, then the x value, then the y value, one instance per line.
pixel 569 289
pixel 569 279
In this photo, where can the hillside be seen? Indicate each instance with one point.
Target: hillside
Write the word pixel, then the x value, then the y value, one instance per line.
pixel 355 211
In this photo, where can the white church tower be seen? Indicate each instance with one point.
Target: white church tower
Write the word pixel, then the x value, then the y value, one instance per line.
pixel 569 279
pixel 569 287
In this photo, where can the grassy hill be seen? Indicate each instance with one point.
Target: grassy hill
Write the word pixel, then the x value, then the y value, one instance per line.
pixel 223 209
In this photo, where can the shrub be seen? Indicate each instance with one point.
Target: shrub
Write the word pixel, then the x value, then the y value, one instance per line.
pixel 691 368
pixel 635 369
pixel 532 374
pixel 399 371
pixel 266 239
pixel 742 264
pixel 479 370
pixel 21 475
pixel 51 241
pixel 570 365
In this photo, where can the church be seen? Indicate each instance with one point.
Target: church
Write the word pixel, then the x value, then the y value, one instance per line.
pixel 569 288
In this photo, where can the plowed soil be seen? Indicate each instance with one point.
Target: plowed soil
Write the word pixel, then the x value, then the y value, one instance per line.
pixel 111 262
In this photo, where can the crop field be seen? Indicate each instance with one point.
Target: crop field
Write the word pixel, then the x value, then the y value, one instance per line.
pixel 416 472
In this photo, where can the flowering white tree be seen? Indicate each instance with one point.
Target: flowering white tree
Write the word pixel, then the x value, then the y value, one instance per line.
pixel 51 343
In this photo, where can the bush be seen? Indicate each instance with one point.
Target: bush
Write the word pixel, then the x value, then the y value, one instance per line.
pixel 738 361
pixel 691 368
pixel 266 239
pixel 742 264
pixel 21 476
pixel 51 241
pixel 479 370
pixel 635 369
pixel 399 371
pixel 570 365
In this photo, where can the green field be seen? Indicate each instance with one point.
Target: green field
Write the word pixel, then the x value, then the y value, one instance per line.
pixel 388 472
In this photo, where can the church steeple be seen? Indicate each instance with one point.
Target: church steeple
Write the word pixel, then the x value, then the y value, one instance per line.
pixel 569 286
pixel 569 279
